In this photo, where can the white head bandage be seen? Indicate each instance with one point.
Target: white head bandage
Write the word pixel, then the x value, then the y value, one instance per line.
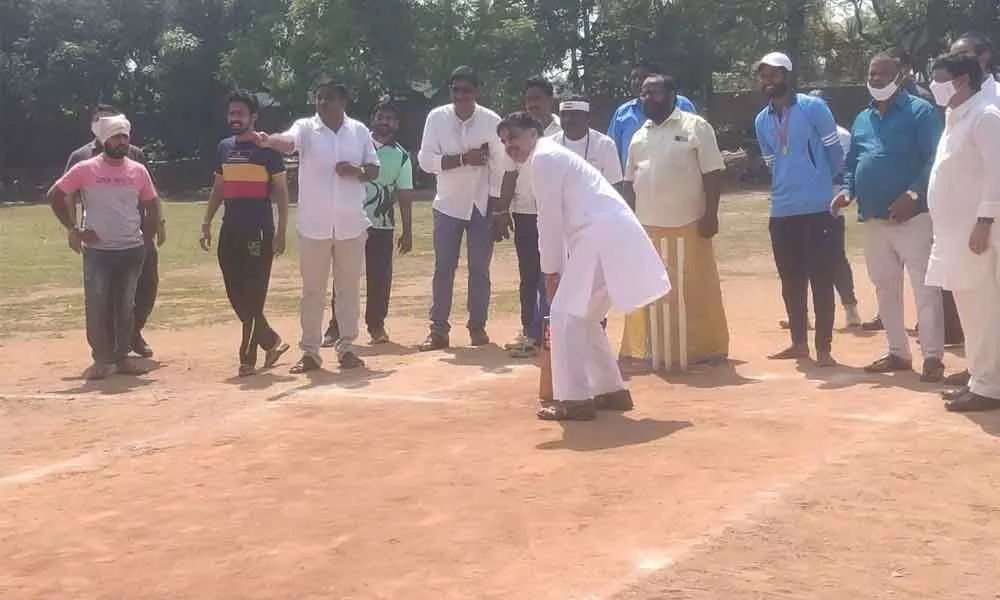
pixel 108 127
pixel 575 105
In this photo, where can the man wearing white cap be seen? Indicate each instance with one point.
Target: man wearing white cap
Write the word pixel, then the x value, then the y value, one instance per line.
pixel 588 143
pixel 595 255
pixel 118 194
pixel 798 140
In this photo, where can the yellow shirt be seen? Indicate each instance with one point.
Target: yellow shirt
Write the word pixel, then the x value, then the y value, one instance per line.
pixel 666 163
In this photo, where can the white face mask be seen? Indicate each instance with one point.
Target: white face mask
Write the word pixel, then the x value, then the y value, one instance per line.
pixel 943 92
pixel 883 94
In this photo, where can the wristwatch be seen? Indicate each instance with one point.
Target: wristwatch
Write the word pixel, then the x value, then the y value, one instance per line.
pixel 913 195
pixel 985 220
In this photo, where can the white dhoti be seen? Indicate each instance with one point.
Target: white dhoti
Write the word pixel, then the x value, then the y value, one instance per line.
pixel 979 310
pixel 610 264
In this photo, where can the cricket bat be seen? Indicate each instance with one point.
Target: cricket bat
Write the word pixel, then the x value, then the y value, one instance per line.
pixel 545 362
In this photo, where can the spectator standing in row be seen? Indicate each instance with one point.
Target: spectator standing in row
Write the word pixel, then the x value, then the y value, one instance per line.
pixel 673 180
pixel 588 143
pixel 798 140
pixel 393 186
pixel 149 278
pixel 517 207
pixel 119 204
pixel 460 146
pixel 964 201
pixel 249 180
pixel 887 168
pixel 336 158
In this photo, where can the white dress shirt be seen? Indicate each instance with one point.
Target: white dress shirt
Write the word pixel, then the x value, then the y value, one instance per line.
pixel 331 206
pixel 597 149
pixel 461 189
pixel 965 185
pixel 524 197
pixel 845 139
pixel 587 233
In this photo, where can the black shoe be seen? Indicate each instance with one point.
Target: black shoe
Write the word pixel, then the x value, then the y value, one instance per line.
pixel 580 410
pixel 330 337
pixel 890 363
pixel 350 360
pixel 793 352
pixel 435 341
pixel 933 371
pixel 272 356
pixel 955 393
pixel 972 402
pixel 620 400
pixel 958 379
pixel 246 371
pixel 140 347
pixel 873 325
pixel 478 337
pixel 306 363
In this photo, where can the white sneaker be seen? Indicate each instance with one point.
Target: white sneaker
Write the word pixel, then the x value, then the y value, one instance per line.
pixel 852 320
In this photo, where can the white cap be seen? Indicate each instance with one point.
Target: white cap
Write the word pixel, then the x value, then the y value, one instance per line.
pixel 776 60
pixel 108 127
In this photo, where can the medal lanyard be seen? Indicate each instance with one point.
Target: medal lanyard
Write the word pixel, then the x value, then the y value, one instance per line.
pixel 586 147
pixel 781 127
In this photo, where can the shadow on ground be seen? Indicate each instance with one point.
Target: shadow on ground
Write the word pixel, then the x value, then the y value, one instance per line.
pixel 612 430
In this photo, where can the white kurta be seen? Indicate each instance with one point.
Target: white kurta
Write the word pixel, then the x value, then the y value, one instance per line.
pixel 965 185
pixel 587 233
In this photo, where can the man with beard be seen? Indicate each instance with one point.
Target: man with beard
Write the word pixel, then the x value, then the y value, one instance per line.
pixel 248 179
pixel 460 147
pixel 118 200
pixel 628 118
pixel 798 140
pixel 336 158
pixel 393 186
pixel 595 255
pixel 892 149
pixel 673 180
pixel 149 278
pixel 517 208
pixel 964 202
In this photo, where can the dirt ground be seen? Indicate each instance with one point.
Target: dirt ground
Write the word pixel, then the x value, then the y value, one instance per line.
pixel 428 478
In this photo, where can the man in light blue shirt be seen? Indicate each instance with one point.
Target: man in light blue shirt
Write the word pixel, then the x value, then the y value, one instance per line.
pixel 798 140
pixel 629 118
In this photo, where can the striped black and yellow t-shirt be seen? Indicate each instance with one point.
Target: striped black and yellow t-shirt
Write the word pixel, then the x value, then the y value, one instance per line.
pixel 247 172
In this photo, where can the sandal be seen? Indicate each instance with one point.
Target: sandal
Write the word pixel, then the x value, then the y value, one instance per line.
pixel 579 410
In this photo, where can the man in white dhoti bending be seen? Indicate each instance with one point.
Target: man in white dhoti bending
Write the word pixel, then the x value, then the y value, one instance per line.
pixel 594 255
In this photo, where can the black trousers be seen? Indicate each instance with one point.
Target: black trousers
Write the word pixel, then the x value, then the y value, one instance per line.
pixel 843 275
pixel 806 252
pixel 379 250
pixel 953 334
pixel 245 259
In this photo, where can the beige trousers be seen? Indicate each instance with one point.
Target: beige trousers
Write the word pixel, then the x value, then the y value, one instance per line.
pixel 347 259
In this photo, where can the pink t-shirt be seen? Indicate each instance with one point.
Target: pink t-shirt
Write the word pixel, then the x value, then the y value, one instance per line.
pixel 111 195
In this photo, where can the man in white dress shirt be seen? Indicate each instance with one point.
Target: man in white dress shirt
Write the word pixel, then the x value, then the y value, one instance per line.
pixel 336 157
pixel 964 200
pixel 460 146
pixel 592 145
pixel 594 255
pixel 517 207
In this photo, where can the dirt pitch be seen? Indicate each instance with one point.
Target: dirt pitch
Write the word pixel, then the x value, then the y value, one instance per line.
pixel 428 478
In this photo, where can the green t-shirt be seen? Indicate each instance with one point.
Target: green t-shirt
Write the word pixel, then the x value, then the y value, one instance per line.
pixel 395 173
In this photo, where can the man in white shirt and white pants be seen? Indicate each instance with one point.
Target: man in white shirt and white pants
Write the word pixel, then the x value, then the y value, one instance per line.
pixel 460 146
pixel 964 201
pixel 336 157
pixel 594 255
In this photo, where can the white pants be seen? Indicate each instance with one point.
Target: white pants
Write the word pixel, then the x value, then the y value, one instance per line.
pixel 583 364
pixel 348 260
pixel 889 248
pixel 979 311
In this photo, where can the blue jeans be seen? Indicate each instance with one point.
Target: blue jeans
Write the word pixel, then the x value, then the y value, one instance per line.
pixel 109 283
pixel 448 232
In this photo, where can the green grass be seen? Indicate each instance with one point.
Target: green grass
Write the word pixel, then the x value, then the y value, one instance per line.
pixel 41 284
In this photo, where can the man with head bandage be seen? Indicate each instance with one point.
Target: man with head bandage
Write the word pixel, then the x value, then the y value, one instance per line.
pixel 149 279
pixel 119 202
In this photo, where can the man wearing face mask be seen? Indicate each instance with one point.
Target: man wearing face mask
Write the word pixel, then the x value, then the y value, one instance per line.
pixel 798 140
pixel 249 180
pixel 118 201
pixel 336 159
pixel 964 201
pixel 893 143
pixel 595 255
pixel 149 279
pixel 979 46
pixel 673 179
